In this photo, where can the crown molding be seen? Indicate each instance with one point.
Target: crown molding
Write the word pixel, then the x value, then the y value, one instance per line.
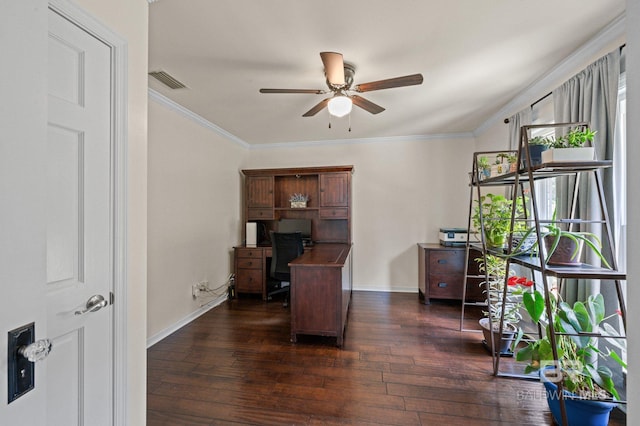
pixel 386 139
pixel 606 36
pixel 163 100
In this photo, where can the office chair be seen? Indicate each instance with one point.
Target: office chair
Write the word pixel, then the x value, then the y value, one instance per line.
pixel 285 246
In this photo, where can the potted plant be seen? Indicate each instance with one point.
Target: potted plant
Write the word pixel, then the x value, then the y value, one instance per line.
pixel 484 168
pixel 571 147
pixel 298 201
pixel 496 218
pixel 494 269
pixel 563 247
pixel 576 330
pixel 512 159
pixel 537 145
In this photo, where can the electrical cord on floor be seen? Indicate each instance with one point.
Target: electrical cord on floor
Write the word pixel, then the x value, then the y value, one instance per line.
pixel 218 291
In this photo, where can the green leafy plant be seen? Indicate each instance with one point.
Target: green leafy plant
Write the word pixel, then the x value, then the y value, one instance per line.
pixel 496 218
pixel 494 269
pixel 576 329
pixel 501 157
pixel 483 163
pixel 553 233
pixel 541 140
pixel 576 138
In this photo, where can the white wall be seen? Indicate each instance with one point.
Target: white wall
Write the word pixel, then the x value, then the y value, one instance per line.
pixel 194 214
pixel 403 192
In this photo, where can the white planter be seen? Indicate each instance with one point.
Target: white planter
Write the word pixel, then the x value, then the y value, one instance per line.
pixel 564 155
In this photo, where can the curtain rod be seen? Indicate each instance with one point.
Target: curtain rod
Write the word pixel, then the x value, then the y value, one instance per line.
pixel 506 120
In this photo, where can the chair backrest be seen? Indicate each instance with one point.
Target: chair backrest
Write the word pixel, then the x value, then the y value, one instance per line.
pixel 285 246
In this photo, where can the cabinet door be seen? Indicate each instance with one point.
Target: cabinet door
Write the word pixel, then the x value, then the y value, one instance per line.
pixel 259 191
pixel 334 189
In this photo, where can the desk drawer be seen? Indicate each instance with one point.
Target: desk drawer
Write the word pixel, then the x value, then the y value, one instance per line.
pixel 249 280
pixel 334 213
pixel 249 263
pixel 446 286
pixel 260 214
pixel 252 253
pixel 446 261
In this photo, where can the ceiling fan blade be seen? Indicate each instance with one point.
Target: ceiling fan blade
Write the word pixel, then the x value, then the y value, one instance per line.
pixel 407 80
pixel 366 105
pixel 313 111
pixel 312 91
pixel 333 67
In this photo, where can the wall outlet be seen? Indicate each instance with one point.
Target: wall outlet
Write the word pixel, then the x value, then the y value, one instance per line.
pixel 203 285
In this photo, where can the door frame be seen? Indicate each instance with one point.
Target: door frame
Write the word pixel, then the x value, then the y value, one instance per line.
pixel 119 66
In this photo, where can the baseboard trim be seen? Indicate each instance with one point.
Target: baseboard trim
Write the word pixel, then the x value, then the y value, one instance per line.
pixel 184 321
pixel 387 289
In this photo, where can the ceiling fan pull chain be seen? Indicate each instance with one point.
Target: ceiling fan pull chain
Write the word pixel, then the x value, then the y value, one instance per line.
pixel 349 122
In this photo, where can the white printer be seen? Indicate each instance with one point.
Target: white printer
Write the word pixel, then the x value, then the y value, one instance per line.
pixel 453 236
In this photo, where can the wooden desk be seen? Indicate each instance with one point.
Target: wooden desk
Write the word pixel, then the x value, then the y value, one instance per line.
pixel 321 291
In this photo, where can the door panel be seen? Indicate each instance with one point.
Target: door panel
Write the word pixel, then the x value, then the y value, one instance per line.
pixel 79 226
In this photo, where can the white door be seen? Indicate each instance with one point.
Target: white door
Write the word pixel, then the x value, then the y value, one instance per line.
pixel 79 211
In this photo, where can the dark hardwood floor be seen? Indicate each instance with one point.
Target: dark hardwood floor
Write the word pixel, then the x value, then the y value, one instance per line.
pixel 403 363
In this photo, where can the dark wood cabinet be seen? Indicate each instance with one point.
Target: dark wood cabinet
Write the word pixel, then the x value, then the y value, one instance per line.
pixel 250 269
pixel 259 197
pixel 334 189
pixel 267 194
pixel 259 191
pixel 441 273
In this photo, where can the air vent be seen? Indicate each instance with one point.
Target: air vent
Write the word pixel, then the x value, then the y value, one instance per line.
pixel 167 79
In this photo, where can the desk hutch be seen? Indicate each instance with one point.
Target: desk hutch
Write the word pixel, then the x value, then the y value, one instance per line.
pixel 266 201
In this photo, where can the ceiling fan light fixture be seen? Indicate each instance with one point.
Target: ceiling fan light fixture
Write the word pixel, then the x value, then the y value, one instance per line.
pixel 339 106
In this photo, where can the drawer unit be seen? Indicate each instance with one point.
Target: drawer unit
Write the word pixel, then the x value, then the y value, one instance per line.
pixel 249 262
pixel 446 261
pixel 441 273
pixel 260 214
pixel 334 213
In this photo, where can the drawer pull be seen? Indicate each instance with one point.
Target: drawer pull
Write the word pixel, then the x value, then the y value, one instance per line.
pixel 442 285
pixel 442 261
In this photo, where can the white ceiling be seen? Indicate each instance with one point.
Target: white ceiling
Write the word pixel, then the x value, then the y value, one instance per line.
pixel 475 56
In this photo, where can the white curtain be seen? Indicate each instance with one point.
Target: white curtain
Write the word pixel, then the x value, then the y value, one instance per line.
pixel 592 96
pixel 517 120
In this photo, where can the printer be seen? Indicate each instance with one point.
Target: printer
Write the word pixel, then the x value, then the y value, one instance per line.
pixel 453 236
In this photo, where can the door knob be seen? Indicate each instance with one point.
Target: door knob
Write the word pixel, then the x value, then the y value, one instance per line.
pixel 36 351
pixel 95 303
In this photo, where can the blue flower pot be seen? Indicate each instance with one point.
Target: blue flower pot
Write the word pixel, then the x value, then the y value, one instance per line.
pixel 579 412
pixel 535 151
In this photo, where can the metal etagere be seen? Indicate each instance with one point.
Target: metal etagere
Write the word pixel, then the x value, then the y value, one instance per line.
pixel 520 183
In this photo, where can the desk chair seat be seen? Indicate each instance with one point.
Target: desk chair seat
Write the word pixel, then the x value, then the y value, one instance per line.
pixel 285 246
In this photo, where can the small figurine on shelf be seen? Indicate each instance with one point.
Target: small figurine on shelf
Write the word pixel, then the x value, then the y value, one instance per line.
pixel 298 201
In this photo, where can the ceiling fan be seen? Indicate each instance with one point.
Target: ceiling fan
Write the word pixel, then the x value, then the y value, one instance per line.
pixel 339 80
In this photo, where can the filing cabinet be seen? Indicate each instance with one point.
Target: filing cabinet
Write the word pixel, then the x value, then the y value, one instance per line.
pixel 441 273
